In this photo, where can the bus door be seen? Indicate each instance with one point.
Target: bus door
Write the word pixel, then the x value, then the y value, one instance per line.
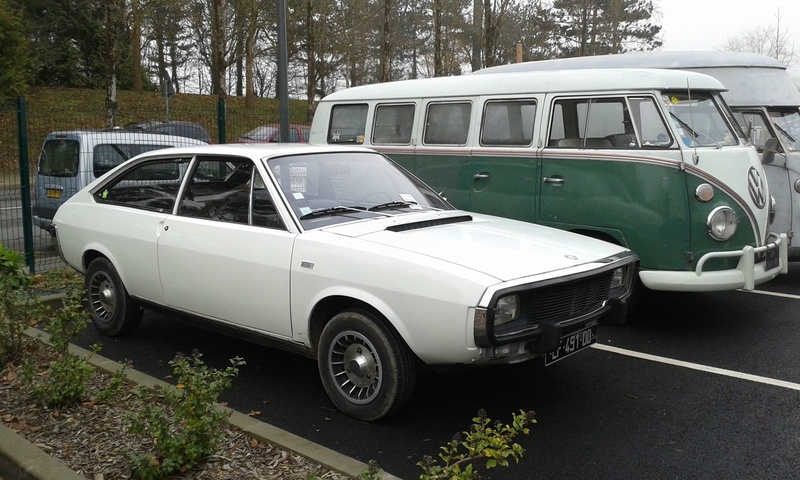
pixel 442 156
pixel 504 164
pixel 611 169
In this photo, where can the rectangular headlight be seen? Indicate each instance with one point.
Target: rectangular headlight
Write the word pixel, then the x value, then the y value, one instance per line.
pixel 507 309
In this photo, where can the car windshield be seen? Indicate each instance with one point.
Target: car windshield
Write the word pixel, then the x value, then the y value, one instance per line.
pixel 787 123
pixel 331 188
pixel 698 119
pixel 263 132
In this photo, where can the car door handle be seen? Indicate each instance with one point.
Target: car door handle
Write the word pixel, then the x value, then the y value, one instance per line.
pixel 553 180
pixel 480 176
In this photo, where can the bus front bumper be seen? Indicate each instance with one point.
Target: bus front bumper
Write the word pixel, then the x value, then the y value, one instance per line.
pixel 745 276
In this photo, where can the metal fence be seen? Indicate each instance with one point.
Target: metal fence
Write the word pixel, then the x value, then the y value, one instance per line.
pixel 39 169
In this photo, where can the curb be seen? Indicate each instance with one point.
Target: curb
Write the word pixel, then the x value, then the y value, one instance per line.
pixel 22 460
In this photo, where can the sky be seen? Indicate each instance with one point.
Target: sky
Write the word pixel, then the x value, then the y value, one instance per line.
pixel 707 24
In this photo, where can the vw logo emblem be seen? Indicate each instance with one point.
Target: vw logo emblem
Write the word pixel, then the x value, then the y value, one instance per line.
pixel 755 185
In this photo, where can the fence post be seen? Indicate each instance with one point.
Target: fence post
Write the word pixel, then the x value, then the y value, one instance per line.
pixel 221 120
pixel 25 183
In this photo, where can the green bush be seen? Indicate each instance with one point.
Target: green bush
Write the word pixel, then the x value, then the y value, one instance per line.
pixel 487 442
pixel 18 307
pixel 182 423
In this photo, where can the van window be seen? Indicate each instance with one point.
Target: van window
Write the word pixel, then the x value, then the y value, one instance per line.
pixel 447 123
pixel 788 124
pixel 756 125
pixel 59 158
pixel 508 123
pixel 109 155
pixel 615 122
pixel 348 123
pixel 393 124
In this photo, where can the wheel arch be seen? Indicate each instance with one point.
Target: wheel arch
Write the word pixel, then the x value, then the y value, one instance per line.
pixel 328 307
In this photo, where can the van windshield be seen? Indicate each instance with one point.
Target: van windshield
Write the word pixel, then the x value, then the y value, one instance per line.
pixel 787 124
pixel 698 119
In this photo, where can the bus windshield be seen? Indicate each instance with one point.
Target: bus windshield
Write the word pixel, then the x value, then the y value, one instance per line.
pixel 787 124
pixel 698 119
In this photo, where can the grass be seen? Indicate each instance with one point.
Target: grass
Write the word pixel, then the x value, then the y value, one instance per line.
pixel 49 109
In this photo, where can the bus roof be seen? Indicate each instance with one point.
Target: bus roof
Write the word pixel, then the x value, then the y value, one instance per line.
pixel 530 82
pixel 751 79
pixel 671 60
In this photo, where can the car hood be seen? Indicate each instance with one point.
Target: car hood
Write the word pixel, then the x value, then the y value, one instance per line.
pixel 503 248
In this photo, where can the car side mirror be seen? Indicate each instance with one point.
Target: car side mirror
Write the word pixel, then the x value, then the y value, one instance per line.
pixel 770 147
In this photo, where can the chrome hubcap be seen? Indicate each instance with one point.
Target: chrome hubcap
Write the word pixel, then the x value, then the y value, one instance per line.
pixel 355 367
pixel 102 296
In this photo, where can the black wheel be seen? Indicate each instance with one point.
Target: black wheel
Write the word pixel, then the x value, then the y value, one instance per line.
pixel 113 311
pixel 367 370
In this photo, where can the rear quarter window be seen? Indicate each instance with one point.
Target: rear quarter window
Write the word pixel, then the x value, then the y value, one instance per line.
pixel 109 155
pixel 348 123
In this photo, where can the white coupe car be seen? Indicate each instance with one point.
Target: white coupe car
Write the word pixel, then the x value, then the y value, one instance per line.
pixel 339 253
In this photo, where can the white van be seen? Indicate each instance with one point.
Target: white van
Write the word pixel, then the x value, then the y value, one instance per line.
pixel 649 159
pixel 70 160
pixel 762 95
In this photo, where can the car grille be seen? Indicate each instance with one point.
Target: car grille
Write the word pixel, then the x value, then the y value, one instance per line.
pixel 564 301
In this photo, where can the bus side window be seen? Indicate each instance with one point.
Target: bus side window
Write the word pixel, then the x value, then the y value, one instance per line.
pixel 508 123
pixel 653 132
pixel 348 123
pixel 393 124
pixel 447 123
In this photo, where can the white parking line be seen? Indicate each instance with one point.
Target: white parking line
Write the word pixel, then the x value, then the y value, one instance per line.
pixel 11 208
pixel 696 366
pixel 774 294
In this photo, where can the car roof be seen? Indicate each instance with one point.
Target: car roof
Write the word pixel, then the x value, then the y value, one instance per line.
pixel 255 150
pixel 122 135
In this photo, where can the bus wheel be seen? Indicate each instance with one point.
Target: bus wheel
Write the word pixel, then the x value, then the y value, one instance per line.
pixel 366 369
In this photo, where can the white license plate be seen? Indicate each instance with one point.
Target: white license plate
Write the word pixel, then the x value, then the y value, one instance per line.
pixel 572 343
pixel 773 257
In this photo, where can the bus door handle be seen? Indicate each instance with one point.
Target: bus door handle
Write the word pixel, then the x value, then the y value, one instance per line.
pixel 553 180
pixel 480 176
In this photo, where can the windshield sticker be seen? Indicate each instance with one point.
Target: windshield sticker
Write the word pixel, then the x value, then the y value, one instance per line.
pixel 298 195
pixel 305 210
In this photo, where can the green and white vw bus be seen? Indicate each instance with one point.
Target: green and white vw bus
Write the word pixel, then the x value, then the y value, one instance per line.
pixel 650 159
pixel 764 100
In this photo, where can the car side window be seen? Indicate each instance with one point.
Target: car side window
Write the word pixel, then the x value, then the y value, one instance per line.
pixel 149 186
pixel 223 190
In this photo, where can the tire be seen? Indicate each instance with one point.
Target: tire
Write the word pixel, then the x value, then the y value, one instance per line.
pixel 385 380
pixel 113 311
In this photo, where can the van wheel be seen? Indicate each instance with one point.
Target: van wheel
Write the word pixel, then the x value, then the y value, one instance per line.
pixel 366 369
pixel 113 311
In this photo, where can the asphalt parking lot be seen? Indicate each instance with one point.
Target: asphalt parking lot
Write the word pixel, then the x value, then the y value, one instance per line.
pixel 700 386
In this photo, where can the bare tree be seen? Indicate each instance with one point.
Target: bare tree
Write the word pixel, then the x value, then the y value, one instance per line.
pixel 771 40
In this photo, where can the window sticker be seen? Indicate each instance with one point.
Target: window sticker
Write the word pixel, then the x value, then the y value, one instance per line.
pixel 305 210
pixel 298 195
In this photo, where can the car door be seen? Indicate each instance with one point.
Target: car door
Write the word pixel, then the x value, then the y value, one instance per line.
pixel 226 254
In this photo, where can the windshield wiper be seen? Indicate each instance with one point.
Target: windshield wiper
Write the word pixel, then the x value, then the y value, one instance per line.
pixel 785 133
pixel 338 210
pixel 391 205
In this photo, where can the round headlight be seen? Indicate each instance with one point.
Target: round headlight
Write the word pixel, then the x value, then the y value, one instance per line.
pixel 722 223
pixel 704 192
pixel 507 309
